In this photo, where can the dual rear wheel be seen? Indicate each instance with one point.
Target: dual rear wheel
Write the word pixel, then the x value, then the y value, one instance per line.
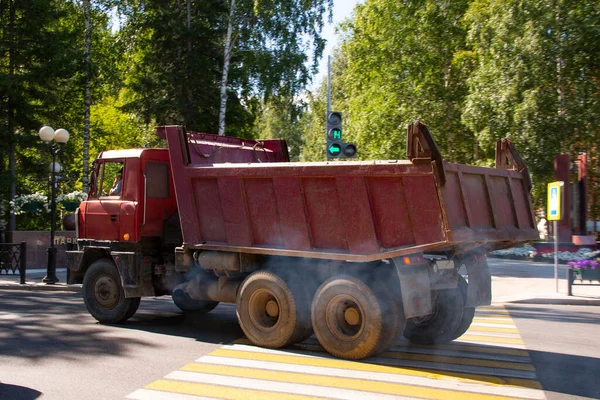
pixel 349 318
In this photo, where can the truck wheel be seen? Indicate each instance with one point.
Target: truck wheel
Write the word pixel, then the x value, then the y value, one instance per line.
pixel 348 318
pixel 104 296
pixel 270 312
pixel 187 304
pixel 468 312
pixel 440 326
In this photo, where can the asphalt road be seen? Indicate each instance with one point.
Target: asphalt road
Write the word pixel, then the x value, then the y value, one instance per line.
pixel 51 348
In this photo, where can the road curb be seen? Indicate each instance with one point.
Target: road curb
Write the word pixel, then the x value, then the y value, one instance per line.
pixel 575 301
pixel 41 287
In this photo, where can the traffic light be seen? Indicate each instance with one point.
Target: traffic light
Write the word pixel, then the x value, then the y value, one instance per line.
pixel 336 148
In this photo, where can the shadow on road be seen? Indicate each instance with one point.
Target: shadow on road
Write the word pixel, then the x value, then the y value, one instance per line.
pixel 54 324
pixel 14 392
pixel 160 315
pixel 566 329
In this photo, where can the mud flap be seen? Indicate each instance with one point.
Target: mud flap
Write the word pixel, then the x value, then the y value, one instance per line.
pixel 415 288
pixel 136 275
pixel 479 292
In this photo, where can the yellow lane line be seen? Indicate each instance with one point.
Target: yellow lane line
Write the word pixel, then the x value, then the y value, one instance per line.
pixel 220 392
pixel 363 366
pixel 457 361
pixel 475 349
pixel 497 320
pixel 491 339
pixel 399 347
pixel 492 329
pixel 341 383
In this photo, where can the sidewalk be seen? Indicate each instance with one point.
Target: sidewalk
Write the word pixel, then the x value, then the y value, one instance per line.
pixel 33 281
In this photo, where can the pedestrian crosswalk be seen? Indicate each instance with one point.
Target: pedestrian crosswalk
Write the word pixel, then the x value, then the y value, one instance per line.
pixel 488 362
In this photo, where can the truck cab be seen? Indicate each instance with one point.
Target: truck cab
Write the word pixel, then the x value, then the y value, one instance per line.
pixel 143 201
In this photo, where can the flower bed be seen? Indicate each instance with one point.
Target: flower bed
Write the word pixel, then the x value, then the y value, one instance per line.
pixel 587 269
pixel 530 252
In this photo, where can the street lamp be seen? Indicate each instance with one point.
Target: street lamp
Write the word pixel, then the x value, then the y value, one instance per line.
pixel 60 136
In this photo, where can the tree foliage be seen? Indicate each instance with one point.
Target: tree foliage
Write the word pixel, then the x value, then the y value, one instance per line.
pixel 474 72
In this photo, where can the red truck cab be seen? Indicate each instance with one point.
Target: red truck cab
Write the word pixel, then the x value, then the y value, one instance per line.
pixel 145 198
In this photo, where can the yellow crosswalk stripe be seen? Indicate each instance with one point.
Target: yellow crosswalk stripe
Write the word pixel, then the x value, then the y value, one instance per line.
pixel 493 365
pixel 475 348
pixel 352 384
pixel 368 367
pixel 491 339
pixel 458 361
pixel 221 392
pixel 493 329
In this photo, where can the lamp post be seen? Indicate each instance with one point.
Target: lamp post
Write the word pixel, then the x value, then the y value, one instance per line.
pixel 60 136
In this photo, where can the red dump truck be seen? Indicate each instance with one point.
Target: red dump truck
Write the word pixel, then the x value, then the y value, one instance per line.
pixel 358 252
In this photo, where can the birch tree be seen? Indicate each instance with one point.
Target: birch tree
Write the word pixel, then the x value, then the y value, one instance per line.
pixel 275 45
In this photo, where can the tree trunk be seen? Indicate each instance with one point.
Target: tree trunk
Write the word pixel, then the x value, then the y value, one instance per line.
pixel 227 58
pixel 190 106
pixel 12 221
pixel 87 102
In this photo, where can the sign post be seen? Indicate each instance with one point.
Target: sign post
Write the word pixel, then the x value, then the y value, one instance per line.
pixel 555 195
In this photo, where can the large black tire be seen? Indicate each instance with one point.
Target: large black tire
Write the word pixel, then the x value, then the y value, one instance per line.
pixel 348 318
pixel 468 312
pixel 440 326
pixel 104 296
pixel 272 313
pixel 186 304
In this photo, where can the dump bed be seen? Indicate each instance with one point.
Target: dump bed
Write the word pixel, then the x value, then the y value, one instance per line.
pixel 357 210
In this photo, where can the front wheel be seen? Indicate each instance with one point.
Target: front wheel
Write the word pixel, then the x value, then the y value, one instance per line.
pixel 104 296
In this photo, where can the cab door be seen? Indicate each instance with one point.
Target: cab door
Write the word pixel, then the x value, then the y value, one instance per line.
pixel 102 211
pixel 159 199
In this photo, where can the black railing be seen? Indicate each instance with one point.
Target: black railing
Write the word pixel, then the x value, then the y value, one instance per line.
pixel 13 259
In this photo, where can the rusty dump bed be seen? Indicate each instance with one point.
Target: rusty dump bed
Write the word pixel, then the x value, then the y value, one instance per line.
pixel 358 211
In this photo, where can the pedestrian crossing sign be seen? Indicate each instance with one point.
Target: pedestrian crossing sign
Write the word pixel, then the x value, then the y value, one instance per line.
pixel 555 192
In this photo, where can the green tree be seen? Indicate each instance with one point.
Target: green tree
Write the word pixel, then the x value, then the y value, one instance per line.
pixel 38 62
pixel 535 79
pixel 401 61
pixel 267 43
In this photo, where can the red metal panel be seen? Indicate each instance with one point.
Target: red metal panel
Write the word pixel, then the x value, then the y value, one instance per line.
pixel 235 213
pixel 424 209
pixel 389 208
pixel 455 210
pixel 209 219
pixel 324 214
pixel 522 204
pixel 500 192
pixel 357 215
pixel 474 186
pixel 262 209
pixel 293 221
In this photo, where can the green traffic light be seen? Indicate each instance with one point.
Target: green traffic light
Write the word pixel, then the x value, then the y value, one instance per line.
pixel 334 150
pixel 335 134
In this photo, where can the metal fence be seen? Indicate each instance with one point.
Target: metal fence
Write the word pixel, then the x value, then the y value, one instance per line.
pixel 13 259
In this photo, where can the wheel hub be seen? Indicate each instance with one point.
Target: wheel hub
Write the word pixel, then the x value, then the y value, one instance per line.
pixel 106 291
pixel 272 308
pixel 345 317
pixel 263 310
pixel 352 316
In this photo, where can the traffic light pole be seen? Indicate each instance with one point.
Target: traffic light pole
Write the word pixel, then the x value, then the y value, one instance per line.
pixel 328 84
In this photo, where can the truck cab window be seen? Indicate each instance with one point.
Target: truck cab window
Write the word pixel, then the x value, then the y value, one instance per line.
pixel 111 179
pixel 157 175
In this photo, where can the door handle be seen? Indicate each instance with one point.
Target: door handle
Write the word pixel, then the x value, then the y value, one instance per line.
pixel 113 217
